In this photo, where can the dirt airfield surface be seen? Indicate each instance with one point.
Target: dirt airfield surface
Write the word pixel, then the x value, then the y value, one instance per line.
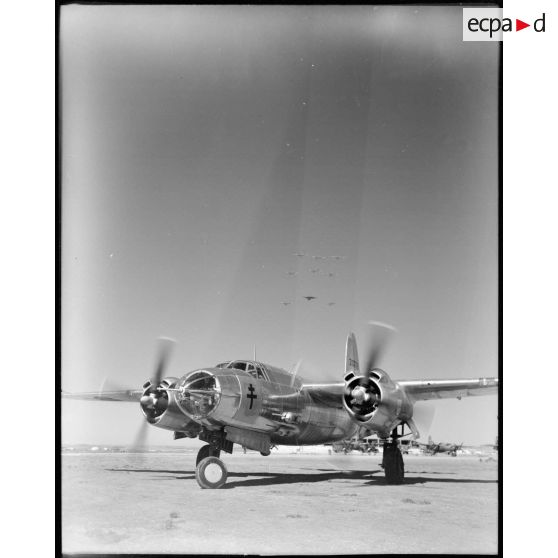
pixel 281 504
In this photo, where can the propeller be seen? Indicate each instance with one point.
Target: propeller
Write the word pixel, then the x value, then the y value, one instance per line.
pixel 294 371
pixel 362 398
pixel 155 398
pixel 140 437
pixel 423 415
pixel 109 385
pixel 166 345
pixel 379 338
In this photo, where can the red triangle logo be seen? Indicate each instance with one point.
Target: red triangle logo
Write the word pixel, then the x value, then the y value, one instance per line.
pixel 519 25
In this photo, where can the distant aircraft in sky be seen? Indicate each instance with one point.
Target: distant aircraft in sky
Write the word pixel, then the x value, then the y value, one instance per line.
pixel 285 303
pixel 309 297
pixel 256 405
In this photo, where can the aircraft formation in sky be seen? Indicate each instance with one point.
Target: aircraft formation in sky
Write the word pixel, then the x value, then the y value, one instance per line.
pixel 314 271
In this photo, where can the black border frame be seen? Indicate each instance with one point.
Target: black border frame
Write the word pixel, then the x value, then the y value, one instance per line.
pixel 58 242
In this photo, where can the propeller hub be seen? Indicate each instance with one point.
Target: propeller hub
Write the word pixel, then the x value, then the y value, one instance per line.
pixel 155 400
pixel 362 396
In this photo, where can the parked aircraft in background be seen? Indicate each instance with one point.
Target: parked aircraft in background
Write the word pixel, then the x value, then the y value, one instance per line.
pixel 367 444
pixel 256 405
pixel 433 448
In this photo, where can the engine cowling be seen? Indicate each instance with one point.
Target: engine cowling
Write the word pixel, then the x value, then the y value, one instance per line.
pixel 376 402
pixel 160 408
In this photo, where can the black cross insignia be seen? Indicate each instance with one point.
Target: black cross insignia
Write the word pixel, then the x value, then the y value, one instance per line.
pixel 251 395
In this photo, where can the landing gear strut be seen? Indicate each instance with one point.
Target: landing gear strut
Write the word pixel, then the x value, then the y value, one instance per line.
pixel 207 451
pixel 392 462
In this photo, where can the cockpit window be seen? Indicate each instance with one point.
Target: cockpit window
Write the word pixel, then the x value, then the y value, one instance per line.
pixel 255 370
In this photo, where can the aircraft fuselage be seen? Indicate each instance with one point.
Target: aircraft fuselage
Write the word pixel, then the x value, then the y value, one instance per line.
pixel 217 397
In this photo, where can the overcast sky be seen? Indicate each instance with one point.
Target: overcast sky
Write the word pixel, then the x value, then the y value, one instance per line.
pixel 203 146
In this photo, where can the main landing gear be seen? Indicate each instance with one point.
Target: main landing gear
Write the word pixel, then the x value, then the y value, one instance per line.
pixel 392 461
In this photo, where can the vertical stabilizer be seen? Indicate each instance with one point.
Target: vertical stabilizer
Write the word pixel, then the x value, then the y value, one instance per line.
pixel 351 356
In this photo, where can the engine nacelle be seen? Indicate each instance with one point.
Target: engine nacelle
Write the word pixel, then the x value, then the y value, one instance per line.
pixel 161 408
pixel 376 402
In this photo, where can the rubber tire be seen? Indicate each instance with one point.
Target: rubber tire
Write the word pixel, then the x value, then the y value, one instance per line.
pixel 206 451
pixel 200 473
pixel 394 467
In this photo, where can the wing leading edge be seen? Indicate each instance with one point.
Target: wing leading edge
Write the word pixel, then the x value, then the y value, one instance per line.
pixel 420 390
pixel 132 395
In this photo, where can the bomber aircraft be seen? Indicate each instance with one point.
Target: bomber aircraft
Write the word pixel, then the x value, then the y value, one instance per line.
pixel 256 406
pixel 442 447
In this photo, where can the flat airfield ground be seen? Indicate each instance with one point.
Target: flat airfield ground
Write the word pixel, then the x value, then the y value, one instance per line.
pixel 281 504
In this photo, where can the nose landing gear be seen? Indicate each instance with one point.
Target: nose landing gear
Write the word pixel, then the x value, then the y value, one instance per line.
pixel 207 451
pixel 211 472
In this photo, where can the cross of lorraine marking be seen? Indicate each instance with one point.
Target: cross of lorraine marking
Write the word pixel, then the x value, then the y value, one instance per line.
pixel 251 395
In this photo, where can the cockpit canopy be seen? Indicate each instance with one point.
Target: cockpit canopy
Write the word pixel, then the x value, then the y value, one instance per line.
pixel 255 369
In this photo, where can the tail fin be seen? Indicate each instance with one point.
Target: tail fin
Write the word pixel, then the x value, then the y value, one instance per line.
pixel 351 357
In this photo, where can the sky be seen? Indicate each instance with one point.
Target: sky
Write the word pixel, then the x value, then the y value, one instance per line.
pixel 204 146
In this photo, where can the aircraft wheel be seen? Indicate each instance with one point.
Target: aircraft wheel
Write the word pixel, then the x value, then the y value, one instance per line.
pixel 393 465
pixel 211 473
pixel 206 451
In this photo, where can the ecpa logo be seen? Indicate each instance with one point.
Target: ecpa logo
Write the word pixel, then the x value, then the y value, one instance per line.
pixel 488 24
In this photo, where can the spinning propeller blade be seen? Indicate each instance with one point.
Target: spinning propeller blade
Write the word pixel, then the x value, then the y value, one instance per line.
pixel 423 415
pixel 379 337
pixel 165 346
pixel 294 371
pixel 140 437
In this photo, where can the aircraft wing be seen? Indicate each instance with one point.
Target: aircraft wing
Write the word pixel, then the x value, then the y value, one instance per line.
pixel 328 394
pixel 443 389
pixel 132 395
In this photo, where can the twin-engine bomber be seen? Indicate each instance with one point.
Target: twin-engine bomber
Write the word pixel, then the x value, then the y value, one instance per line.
pixel 257 406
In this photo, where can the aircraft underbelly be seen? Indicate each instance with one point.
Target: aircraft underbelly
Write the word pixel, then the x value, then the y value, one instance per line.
pixel 326 424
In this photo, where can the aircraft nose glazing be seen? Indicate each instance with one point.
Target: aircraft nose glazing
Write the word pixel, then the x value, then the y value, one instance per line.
pixel 199 394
